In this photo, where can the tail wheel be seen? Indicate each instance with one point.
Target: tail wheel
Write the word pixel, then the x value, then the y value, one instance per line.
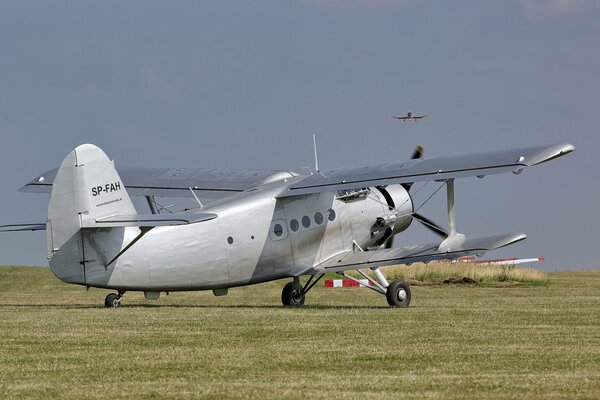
pixel 291 296
pixel 398 294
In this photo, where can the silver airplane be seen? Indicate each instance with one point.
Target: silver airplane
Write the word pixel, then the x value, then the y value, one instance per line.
pixel 252 226
pixel 409 117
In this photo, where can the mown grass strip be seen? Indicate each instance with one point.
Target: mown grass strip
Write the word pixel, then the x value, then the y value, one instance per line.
pixel 454 342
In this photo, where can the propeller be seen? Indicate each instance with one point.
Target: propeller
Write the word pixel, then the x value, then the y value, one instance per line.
pixel 432 226
pixel 416 155
pixel 429 224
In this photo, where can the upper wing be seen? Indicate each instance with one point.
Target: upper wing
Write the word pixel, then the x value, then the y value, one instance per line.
pixel 152 220
pixel 419 253
pixel 208 184
pixel 433 168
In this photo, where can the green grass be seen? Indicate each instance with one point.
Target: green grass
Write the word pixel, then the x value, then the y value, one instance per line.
pixel 455 341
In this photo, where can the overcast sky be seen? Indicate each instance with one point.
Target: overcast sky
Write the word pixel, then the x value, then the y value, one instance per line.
pixel 244 84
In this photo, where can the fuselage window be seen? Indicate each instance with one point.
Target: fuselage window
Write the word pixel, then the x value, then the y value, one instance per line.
pixel 278 230
pixel 230 240
pixel 330 214
pixel 305 221
pixel 318 218
pixel 294 225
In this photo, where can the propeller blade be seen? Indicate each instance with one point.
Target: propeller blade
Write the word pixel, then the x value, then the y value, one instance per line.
pixel 417 154
pixel 435 228
pixel 389 243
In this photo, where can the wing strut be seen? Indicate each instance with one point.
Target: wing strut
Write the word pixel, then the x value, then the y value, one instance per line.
pixel 452 234
pixel 375 288
pixel 152 204
pixel 451 212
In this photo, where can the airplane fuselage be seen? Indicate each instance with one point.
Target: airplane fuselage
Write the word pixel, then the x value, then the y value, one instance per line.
pixel 255 238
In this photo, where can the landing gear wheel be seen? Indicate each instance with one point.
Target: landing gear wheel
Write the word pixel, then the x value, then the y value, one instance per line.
pixel 292 297
pixel 112 300
pixel 398 294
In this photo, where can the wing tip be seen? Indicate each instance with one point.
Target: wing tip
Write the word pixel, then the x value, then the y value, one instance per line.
pixel 515 238
pixel 551 152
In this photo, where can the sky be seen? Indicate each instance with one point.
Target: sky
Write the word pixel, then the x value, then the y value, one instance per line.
pixel 236 84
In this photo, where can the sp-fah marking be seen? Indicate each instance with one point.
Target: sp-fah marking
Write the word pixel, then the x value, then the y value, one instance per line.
pixel 108 188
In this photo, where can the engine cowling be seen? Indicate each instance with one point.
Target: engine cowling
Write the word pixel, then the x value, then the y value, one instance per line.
pixel 398 199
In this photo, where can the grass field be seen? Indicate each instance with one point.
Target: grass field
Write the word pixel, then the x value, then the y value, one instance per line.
pixel 454 341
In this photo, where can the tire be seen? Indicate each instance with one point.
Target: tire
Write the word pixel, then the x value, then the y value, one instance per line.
pixel 112 300
pixel 291 297
pixel 398 294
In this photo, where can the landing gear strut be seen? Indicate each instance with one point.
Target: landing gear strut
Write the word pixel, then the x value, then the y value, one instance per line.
pixel 397 293
pixel 113 300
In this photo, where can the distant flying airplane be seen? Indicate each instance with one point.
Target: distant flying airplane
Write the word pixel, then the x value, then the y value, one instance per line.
pixel 410 117
pixel 253 226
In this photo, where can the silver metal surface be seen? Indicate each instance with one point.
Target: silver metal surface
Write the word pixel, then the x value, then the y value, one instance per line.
pixel 152 204
pixel 380 277
pixel 451 211
pixel 418 253
pixel 433 168
pixel 148 220
pixel 402 295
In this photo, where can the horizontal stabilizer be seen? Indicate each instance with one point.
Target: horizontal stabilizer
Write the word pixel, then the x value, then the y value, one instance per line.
pixel 23 226
pixel 151 220
pixel 419 253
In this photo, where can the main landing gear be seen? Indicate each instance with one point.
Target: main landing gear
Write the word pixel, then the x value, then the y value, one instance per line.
pixel 397 293
pixel 293 294
pixel 113 300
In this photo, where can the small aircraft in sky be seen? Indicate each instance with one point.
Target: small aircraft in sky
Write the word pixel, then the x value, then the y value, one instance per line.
pixel 409 117
pixel 253 226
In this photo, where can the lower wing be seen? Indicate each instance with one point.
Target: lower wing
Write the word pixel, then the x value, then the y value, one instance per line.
pixel 411 254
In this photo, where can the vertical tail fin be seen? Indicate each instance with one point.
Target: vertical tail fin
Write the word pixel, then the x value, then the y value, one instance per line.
pixel 87 186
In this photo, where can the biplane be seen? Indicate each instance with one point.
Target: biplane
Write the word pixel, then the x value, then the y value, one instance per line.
pixel 248 227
